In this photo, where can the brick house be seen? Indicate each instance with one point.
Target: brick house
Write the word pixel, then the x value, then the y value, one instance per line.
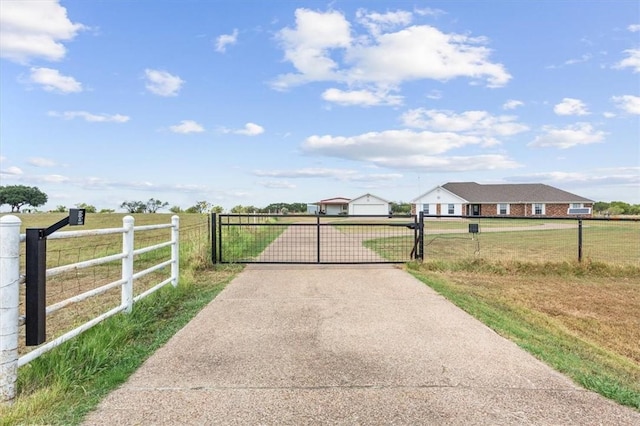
pixel 522 199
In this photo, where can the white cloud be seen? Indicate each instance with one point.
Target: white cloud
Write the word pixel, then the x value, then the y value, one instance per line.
pixel 35 30
pixel 251 129
pixel 12 171
pixel 338 174
pixel 92 118
pixel 570 136
pixel 304 173
pixel 512 104
pixel 570 106
pixel 608 114
pixel 619 176
pixel 276 184
pixel 424 52
pixel 162 83
pixel 321 47
pixel 186 127
pixel 378 22
pixel 41 162
pixel 627 103
pixel 631 61
pixel 406 149
pixel 360 97
pixel 434 94
pixel 225 40
pixel 52 81
pixel 307 46
pixel 584 58
pixel 634 28
pixel 468 122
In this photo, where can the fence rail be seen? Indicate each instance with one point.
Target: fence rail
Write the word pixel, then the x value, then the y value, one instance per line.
pixel 10 282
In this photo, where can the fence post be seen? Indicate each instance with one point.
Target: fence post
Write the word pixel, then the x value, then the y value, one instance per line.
pixel 9 305
pixel 579 240
pixel 214 240
pixel 421 236
pixel 127 263
pixel 175 250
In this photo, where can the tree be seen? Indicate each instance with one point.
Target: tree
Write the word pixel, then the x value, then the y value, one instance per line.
pixel 200 207
pixel 20 195
pixel 107 211
pixel 133 206
pixel 217 209
pixel 60 209
pixel 88 207
pixel 175 209
pixel 400 208
pixel 600 207
pixel 154 205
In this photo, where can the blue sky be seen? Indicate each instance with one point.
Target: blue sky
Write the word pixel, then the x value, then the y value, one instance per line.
pixel 256 102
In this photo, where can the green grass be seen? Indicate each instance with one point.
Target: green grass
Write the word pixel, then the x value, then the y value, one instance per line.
pixel 535 306
pixel 244 243
pixel 61 386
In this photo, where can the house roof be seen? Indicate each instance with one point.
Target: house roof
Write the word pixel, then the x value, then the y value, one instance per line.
pixel 512 193
pixel 336 200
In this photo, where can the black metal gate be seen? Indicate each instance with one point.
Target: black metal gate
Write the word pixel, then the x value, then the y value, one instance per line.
pixel 316 239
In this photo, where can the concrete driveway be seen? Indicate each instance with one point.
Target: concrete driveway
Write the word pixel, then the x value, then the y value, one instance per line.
pixel 345 345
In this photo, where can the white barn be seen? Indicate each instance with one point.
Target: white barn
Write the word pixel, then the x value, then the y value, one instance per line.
pixel 368 204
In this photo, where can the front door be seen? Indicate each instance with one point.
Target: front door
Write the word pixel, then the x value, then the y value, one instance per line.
pixel 475 209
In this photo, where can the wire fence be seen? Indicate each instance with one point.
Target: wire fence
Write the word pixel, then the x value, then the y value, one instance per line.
pixel 611 241
pixel 194 237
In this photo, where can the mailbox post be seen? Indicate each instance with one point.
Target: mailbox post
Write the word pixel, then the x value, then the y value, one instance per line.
pixel 36 276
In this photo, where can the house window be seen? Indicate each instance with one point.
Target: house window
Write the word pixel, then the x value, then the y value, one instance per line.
pixel 425 209
pixel 538 209
pixel 503 208
pixel 451 209
pixel 577 205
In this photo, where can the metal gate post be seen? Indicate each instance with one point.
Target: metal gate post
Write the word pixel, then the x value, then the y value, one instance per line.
pixel 421 236
pixel 36 296
pixel 318 237
pixel 214 240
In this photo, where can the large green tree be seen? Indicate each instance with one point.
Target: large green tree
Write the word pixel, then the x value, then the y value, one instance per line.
pixel 18 196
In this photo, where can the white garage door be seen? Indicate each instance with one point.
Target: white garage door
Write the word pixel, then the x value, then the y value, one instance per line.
pixel 369 209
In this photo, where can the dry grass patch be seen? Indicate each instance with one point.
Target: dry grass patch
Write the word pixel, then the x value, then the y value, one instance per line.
pixel 601 310
pixel 583 320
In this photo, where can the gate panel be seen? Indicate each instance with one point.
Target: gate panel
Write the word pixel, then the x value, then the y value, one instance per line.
pixel 316 239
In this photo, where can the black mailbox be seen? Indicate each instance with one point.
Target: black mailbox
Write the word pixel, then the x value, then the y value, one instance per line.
pixel 76 217
pixel 474 228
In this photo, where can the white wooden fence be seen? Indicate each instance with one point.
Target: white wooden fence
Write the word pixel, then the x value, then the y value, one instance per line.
pixel 11 279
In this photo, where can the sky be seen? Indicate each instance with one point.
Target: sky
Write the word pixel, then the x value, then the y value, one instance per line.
pixel 257 102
